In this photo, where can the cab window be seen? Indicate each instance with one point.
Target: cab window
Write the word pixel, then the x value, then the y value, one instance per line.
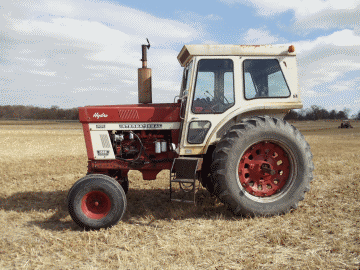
pixel 214 86
pixel 263 78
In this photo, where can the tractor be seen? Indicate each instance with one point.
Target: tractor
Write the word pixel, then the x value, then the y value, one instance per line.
pixel 345 124
pixel 224 130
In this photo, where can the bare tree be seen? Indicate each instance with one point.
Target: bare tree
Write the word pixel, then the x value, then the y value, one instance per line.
pixel 36 113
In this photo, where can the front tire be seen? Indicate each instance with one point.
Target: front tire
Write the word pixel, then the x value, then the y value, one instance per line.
pixel 262 167
pixel 96 201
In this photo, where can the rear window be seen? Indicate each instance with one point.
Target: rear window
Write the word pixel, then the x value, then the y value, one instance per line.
pixel 263 78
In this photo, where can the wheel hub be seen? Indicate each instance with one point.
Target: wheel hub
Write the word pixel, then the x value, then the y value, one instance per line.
pixel 96 204
pixel 264 169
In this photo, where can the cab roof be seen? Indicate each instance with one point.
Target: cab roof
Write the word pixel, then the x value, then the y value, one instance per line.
pixel 188 51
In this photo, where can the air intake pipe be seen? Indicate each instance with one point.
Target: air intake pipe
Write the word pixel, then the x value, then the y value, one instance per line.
pixel 144 78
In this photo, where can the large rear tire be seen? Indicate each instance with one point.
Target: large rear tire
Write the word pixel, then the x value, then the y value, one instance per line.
pixel 205 174
pixel 262 167
pixel 96 201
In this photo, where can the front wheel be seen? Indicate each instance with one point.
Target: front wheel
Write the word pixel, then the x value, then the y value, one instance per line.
pixel 262 167
pixel 96 201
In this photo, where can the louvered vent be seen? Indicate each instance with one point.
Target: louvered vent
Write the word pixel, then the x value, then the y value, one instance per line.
pixel 128 114
pixel 104 141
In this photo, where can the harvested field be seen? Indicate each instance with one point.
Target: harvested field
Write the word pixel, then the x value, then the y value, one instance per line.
pixel 41 160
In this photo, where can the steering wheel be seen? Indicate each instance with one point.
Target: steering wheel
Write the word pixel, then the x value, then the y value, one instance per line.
pixel 208 103
pixel 219 102
pixel 211 105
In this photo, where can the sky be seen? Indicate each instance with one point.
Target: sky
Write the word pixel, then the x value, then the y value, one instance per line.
pixel 72 53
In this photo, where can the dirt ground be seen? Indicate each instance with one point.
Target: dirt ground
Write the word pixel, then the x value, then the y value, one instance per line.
pixel 41 160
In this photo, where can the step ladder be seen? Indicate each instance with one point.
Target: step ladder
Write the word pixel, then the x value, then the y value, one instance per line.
pixel 185 172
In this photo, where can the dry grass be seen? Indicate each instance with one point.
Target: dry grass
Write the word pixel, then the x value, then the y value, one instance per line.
pixel 39 163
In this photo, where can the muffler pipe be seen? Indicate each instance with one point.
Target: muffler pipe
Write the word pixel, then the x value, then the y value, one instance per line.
pixel 144 78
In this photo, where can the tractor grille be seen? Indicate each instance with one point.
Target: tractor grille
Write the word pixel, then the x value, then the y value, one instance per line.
pixel 105 141
pixel 128 114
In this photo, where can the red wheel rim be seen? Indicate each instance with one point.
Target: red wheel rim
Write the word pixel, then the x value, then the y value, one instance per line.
pixel 96 204
pixel 264 169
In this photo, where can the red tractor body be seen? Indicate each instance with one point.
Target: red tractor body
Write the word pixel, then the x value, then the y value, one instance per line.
pixel 152 123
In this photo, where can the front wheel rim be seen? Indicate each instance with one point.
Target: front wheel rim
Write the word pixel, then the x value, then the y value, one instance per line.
pixel 96 204
pixel 264 170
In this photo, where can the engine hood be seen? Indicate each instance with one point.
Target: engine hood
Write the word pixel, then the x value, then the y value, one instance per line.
pixel 162 112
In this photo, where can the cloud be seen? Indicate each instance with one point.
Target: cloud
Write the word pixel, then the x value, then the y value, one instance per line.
pixel 108 13
pixel 74 53
pixel 328 69
pixel 346 40
pixel 309 14
pixel 190 16
pixel 202 23
pixel 330 55
pixel 41 72
pixel 301 9
pixel 330 19
pixel 260 36
pixel 327 72
pixel 346 85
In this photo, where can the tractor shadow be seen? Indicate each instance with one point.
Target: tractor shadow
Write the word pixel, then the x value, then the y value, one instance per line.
pixel 155 204
pixel 144 206
pixel 46 202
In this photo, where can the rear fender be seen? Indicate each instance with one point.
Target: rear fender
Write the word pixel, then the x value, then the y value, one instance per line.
pixel 235 118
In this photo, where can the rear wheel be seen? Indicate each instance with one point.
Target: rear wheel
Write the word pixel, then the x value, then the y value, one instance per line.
pixel 262 166
pixel 205 173
pixel 96 201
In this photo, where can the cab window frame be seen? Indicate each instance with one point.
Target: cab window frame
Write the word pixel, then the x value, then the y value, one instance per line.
pixel 189 69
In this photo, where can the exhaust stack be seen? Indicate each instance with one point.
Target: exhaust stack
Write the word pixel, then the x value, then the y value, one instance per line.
pixel 144 78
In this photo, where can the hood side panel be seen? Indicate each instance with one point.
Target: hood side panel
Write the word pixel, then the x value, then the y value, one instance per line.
pixel 164 112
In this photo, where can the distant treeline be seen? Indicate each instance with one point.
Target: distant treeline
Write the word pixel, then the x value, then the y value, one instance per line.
pixel 319 113
pixel 56 113
pixel 37 113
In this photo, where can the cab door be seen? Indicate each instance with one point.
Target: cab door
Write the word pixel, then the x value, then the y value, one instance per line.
pixel 184 93
pixel 211 97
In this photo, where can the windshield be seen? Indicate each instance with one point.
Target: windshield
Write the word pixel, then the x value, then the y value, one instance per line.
pixel 186 80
